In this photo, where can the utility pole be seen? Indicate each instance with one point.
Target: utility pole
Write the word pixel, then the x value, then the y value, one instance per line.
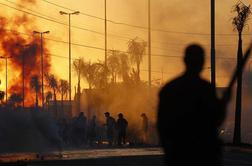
pixel 149 40
pixel 213 72
pixel 69 42
pixel 42 62
pixel 105 25
pixel 6 79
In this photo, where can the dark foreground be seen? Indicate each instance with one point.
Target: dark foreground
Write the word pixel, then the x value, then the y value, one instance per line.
pixel 125 157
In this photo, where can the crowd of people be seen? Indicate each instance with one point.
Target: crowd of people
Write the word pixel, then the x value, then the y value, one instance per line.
pixel 81 131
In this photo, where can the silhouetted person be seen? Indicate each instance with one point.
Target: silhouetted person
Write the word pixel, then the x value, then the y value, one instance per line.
pixel 121 125
pixel 189 115
pixel 110 124
pixel 144 128
pixel 80 128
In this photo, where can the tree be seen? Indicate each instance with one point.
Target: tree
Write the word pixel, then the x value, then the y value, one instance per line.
pixel 35 85
pixel 239 22
pixel 63 88
pixel 113 64
pixel 89 73
pixel 124 66
pixel 79 67
pixel 2 95
pixel 48 98
pixel 100 75
pixel 15 99
pixel 53 84
pixel 136 49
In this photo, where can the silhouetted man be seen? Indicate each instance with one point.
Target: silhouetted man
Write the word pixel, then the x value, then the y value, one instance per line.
pixel 121 125
pixel 110 123
pixel 189 115
pixel 80 124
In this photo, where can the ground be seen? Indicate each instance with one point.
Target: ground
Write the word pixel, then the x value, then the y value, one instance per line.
pixel 118 157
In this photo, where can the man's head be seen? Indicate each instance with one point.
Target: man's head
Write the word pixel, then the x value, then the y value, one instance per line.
pixel 107 114
pixel 81 114
pixel 143 115
pixel 120 116
pixel 194 59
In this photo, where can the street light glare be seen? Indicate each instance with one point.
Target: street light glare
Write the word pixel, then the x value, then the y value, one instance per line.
pixel 61 12
pixel 77 12
pixel 35 32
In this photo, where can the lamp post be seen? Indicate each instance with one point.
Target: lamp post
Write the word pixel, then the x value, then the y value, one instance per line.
pixel 42 62
pixel 6 76
pixel 69 37
pixel 213 72
pixel 149 41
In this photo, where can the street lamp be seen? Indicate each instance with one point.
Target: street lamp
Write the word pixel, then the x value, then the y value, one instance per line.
pixel 6 76
pixel 42 62
pixel 69 17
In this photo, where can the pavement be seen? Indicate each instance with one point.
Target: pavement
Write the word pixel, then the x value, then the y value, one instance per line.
pixel 233 156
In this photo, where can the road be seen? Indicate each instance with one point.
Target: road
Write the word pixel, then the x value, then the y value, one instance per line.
pixel 118 157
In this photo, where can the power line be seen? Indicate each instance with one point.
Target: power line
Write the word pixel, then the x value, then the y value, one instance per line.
pixel 141 27
pixel 102 49
pixel 52 20
pixel 48 18
pixel 59 41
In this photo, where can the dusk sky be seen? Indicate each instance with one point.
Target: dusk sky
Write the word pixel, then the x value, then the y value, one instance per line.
pixel 175 24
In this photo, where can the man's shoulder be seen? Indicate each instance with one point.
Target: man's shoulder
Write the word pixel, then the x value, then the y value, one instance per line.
pixel 172 84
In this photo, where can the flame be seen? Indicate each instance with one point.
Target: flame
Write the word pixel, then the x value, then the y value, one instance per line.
pixel 12 44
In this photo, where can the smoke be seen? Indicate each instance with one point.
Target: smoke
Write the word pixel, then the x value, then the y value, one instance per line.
pixel 131 101
pixel 22 49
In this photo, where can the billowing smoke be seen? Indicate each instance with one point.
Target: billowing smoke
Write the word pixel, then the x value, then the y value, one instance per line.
pixel 22 50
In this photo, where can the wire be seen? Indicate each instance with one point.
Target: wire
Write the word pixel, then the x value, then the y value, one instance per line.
pixel 52 20
pixel 140 27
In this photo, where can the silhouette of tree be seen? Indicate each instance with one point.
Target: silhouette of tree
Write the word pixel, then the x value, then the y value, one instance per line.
pixel 53 84
pixel 95 74
pixel 113 64
pixel 79 66
pixel 136 49
pixel 239 22
pixel 100 75
pixel 35 85
pixel 48 98
pixel 63 88
pixel 124 67
pixel 15 99
pixel 2 95
pixel 88 72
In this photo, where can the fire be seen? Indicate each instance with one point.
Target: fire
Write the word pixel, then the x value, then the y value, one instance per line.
pixel 17 46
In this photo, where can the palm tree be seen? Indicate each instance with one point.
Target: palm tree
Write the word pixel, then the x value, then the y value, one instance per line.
pixel 113 64
pixel 35 85
pixel 15 99
pixel 239 22
pixel 124 66
pixel 136 49
pixel 48 98
pixel 63 88
pixel 79 67
pixel 2 95
pixel 53 84
pixel 88 73
pixel 100 75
